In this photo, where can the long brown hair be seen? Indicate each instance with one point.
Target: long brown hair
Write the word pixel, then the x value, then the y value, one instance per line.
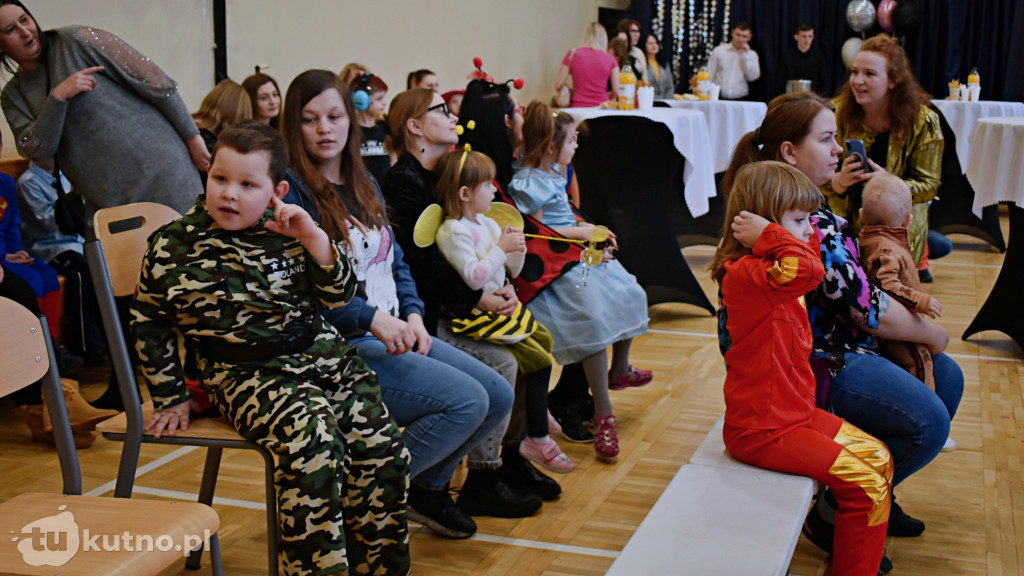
pixel 542 126
pixel 252 85
pixel 768 189
pixel 333 212
pixel 410 104
pixel 789 119
pixel 906 97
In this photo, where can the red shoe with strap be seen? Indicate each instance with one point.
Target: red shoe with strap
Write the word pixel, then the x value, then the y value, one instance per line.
pixel 633 378
pixel 606 438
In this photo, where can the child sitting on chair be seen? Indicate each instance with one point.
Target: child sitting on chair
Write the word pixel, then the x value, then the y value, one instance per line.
pixel 481 251
pixel 886 258
pixel 241 275
pixel 767 261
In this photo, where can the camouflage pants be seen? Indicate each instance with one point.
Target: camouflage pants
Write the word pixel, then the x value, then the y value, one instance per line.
pixel 341 468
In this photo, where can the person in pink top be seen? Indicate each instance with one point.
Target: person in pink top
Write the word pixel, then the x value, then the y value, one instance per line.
pixel 591 67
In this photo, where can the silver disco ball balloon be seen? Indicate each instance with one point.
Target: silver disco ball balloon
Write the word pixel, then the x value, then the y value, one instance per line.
pixel 860 14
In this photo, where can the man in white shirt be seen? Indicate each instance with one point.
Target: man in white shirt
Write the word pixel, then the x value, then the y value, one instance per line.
pixel 733 65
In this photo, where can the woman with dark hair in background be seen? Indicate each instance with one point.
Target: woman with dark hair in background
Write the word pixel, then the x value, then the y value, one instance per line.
pixel 422 78
pixel 265 97
pixel 659 69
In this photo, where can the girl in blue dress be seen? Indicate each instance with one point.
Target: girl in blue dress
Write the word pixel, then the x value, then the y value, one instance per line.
pixel 610 309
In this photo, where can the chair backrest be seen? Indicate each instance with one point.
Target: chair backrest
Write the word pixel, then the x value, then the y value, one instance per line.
pixel 23 358
pixel 115 260
pixel 123 231
pixel 26 356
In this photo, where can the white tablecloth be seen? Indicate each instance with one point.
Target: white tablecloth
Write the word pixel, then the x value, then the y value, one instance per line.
pixel 728 121
pixel 996 166
pixel 690 135
pixel 962 116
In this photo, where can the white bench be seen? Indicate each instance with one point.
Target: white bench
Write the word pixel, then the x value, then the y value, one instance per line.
pixel 720 517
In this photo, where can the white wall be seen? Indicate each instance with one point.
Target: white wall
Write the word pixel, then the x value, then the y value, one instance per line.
pixel 515 38
pixel 176 34
pixel 520 38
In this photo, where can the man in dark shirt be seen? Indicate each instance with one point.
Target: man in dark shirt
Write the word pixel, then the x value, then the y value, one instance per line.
pixel 804 63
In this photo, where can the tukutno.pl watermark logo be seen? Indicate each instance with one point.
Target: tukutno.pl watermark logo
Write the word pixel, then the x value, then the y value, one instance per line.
pixel 54 541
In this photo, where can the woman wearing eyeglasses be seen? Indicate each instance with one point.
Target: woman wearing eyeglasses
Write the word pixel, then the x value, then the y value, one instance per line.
pixel 421 130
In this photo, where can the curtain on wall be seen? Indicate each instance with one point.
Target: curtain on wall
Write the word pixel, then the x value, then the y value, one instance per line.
pixel 953 36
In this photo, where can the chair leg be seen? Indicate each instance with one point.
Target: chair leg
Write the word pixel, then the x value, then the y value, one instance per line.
pixel 206 489
pixel 218 570
pixel 273 531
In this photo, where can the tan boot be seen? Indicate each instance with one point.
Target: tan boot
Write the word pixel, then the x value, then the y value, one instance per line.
pixel 83 416
pixel 38 419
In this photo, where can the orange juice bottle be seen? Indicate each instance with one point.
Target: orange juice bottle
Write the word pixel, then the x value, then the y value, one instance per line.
pixel 704 83
pixel 627 87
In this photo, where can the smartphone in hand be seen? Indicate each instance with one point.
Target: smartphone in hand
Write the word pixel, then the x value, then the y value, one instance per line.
pixel 856 148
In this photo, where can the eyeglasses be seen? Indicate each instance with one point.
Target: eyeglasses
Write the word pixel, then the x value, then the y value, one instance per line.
pixel 443 107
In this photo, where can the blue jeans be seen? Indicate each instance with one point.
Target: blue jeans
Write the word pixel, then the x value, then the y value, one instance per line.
pixel 938 245
pixel 885 401
pixel 487 454
pixel 447 401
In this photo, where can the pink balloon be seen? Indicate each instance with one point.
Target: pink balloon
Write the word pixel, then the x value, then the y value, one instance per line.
pixel 885 8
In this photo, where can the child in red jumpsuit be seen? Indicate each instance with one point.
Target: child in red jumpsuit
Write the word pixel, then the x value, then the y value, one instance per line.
pixel 768 259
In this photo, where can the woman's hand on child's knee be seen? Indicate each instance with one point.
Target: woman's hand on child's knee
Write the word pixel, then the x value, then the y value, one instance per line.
pixel 171 419
pixel 747 228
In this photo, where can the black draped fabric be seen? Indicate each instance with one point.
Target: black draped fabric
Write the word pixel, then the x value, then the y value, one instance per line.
pixel 953 36
pixel 630 177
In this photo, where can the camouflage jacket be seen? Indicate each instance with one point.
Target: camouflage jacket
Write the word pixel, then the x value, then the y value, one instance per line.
pixel 205 282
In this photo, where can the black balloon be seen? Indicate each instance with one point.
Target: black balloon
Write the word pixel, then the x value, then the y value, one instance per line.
pixel 906 17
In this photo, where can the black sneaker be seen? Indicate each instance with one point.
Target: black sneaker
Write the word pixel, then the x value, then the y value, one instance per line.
pixel 521 474
pixel 436 510
pixel 885 566
pixel 67 362
pixel 925 277
pixel 901 524
pixel 569 419
pixel 485 494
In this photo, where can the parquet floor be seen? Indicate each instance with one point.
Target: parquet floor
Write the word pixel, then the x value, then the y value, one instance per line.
pixel 972 499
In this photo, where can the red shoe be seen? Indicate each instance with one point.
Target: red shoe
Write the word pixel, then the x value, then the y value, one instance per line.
pixel 633 378
pixel 606 439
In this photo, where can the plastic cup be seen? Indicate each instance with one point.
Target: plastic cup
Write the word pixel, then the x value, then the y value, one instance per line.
pixel 645 97
pixel 975 92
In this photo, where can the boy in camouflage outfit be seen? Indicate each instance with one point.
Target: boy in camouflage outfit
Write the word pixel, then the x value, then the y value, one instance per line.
pixel 240 275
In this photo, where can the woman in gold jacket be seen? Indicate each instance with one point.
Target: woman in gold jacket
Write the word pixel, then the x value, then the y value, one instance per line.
pixel 883 105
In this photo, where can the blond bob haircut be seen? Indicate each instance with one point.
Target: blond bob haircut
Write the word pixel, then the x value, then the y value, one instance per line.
pixel 768 189
pixel 228 103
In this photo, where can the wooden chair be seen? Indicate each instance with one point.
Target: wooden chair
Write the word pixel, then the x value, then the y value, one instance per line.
pixel 49 531
pixel 115 260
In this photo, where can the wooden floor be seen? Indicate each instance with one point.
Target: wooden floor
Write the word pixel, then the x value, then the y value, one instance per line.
pixel 972 499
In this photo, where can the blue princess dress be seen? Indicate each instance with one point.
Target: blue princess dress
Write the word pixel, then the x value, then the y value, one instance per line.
pixel 583 320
